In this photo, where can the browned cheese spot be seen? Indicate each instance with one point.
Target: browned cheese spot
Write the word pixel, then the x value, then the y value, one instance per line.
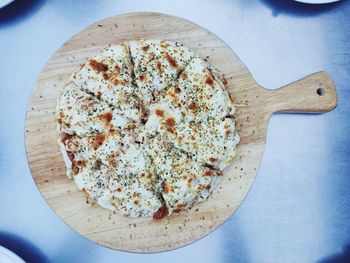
pixel 60 117
pixel 112 161
pixel 171 61
pixel 97 165
pixel 70 156
pixel 177 89
pixel 98 66
pixel 130 127
pixel 117 69
pixel 145 48
pixel 184 75
pixel 209 80
pixel 177 210
pixel 159 67
pixel 143 78
pixel 170 129
pixel 81 163
pixel 65 136
pixel 105 76
pixel 170 121
pixel 212 159
pixel 161 213
pixel 189 181
pixel 224 81
pixel 207 173
pixel 192 106
pixel 165 187
pixel 106 117
pixel 159 112
pixel 113 132
pixel 75 169
pixel 98 141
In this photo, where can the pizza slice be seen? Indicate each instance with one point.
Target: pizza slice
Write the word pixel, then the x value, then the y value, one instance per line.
pixel 133 188
pixel 157 63
pixel 80 113
pixel 199 93
pixel 135 194
pixel 113 172
pixel 212 142
pixel 207 130
pixel 183 180
pixel 108 75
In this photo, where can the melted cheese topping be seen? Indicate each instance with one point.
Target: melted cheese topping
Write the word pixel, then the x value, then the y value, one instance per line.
pixel 146 128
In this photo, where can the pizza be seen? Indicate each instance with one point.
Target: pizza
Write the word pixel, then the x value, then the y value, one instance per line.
pixel 146 128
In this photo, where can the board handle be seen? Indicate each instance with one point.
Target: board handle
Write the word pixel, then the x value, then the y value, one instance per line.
pixel 313 94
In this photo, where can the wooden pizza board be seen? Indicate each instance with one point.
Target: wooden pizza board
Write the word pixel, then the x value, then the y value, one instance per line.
pixel 315 93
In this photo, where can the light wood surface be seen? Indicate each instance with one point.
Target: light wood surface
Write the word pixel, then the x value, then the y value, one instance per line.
pixel 255 106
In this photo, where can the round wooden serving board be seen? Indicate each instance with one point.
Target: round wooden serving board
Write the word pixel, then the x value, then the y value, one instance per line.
pixel 315 93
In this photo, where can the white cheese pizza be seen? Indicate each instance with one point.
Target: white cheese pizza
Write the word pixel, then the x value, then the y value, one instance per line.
pixel 146 128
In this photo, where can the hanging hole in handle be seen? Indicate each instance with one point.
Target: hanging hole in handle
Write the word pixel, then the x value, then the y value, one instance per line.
pixel 320 91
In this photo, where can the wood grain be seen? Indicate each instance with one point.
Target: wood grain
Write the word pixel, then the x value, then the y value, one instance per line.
pixel 255 106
